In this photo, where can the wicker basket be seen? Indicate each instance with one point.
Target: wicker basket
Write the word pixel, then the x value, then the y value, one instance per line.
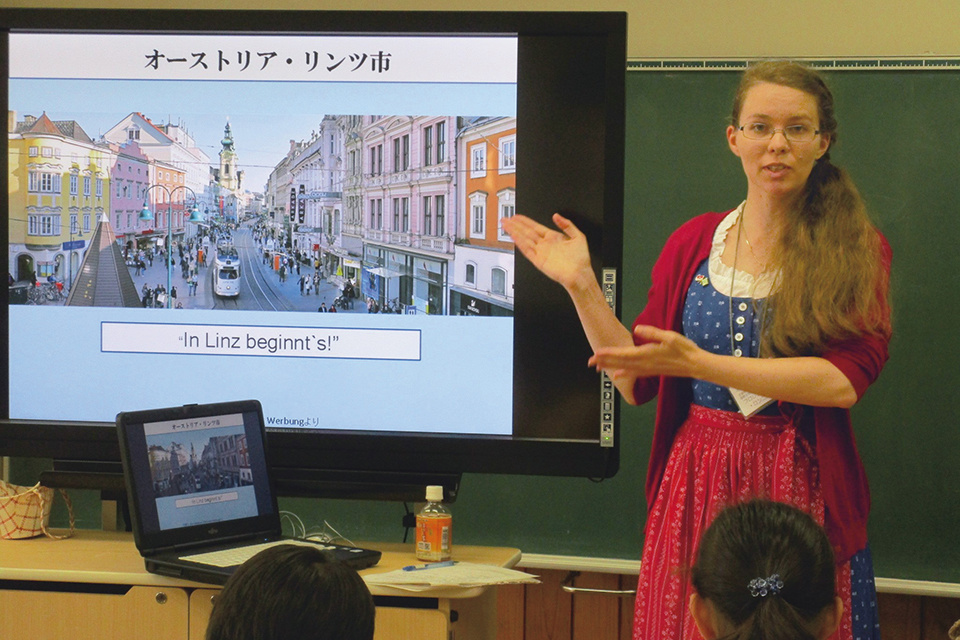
pixel 25 511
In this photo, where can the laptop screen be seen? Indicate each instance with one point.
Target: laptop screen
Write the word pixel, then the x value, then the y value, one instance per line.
pixel 199 468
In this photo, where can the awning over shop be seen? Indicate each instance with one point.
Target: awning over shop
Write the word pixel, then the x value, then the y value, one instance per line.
pixel 383 272
pixel 473 293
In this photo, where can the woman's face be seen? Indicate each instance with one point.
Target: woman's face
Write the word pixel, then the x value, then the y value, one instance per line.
pixel 777 167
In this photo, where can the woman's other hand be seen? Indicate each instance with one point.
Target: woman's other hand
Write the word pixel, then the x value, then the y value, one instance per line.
pixel 660 353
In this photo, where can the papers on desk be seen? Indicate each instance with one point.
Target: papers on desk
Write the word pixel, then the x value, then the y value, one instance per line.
pixel 461 574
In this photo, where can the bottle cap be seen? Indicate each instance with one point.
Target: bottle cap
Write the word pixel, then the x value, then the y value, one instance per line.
pixel 434 493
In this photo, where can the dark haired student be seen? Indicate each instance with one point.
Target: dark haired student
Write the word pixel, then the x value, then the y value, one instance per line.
pixel 765 571
pixel 293 592
pixel 764 324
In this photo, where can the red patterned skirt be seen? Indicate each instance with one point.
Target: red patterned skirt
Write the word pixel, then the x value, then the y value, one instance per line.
pixel 718 458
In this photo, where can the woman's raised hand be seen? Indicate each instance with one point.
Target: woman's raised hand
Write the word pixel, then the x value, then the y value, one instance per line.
pixel 563 256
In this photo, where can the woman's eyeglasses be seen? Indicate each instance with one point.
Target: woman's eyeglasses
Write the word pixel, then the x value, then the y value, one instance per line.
pixel 793 132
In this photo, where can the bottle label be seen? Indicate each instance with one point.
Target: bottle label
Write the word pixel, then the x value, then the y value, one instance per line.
pixel 434 537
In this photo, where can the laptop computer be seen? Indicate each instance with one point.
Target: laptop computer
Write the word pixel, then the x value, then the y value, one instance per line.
pixel 200 492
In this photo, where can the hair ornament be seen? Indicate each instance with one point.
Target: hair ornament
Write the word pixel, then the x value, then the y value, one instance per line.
pixel 762 587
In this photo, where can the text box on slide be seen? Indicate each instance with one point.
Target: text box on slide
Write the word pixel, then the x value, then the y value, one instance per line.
pixel 201 501
pixel 289 342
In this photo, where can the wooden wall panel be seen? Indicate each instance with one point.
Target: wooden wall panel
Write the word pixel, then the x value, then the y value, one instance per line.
pixel 900 616
pixel 596 616
pixel 939 614
pixel 627 606
pixel 548 608
pixel 511 603
pixel 546 612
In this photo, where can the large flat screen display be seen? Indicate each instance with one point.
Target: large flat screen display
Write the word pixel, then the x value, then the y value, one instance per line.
pixel 304 208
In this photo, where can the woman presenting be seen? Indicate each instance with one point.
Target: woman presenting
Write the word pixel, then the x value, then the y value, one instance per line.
pixel 763 326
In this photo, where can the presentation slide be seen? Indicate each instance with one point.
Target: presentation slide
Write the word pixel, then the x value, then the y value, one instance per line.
pixel 200 471
pixel 302 220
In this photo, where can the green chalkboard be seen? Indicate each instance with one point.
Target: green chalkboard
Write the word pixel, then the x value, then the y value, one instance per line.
pixel 900 138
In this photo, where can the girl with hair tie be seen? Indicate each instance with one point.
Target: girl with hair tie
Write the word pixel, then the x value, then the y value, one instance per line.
pixel 765 571
pixel 764 324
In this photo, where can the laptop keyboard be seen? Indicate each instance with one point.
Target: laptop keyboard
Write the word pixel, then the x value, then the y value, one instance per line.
pixel 238 555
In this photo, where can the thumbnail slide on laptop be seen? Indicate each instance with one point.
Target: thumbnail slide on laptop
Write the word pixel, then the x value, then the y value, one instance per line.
pixel 200 492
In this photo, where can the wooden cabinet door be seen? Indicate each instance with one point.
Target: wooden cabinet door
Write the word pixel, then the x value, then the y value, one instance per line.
pixel 392 623
pixel 397 623
pixel 201 604
pixel 106 614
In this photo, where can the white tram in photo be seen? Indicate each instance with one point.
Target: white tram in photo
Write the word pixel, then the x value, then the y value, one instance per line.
pixel 226 272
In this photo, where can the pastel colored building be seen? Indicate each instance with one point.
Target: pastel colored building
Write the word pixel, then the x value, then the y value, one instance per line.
pixel 482 282
pixel 172 145
pixel 409 190
pixel 130 177
pixel 166 197
pixel 317 194
pixel 59 186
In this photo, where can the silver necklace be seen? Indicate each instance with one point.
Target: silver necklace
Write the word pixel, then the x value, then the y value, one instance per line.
pixel 746 238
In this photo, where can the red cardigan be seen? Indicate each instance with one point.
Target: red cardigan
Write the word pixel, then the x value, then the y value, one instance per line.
pixel 842 477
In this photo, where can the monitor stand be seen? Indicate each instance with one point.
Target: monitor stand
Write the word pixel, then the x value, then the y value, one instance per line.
pixel 362 485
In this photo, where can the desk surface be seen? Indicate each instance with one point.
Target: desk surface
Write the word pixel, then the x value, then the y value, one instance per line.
pixel 110 557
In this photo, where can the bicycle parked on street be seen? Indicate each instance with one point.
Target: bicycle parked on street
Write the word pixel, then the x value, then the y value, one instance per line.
pixel 43 292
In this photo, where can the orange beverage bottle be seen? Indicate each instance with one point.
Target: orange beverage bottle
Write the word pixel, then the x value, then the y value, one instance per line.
pixel 434 528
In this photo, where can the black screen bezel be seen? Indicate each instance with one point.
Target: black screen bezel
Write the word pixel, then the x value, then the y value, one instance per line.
pixel 578 100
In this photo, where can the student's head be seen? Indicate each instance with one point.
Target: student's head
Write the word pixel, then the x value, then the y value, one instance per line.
pixel 293 592
pixel 786 550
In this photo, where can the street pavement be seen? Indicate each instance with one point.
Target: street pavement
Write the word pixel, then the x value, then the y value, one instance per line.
pixel 289 290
